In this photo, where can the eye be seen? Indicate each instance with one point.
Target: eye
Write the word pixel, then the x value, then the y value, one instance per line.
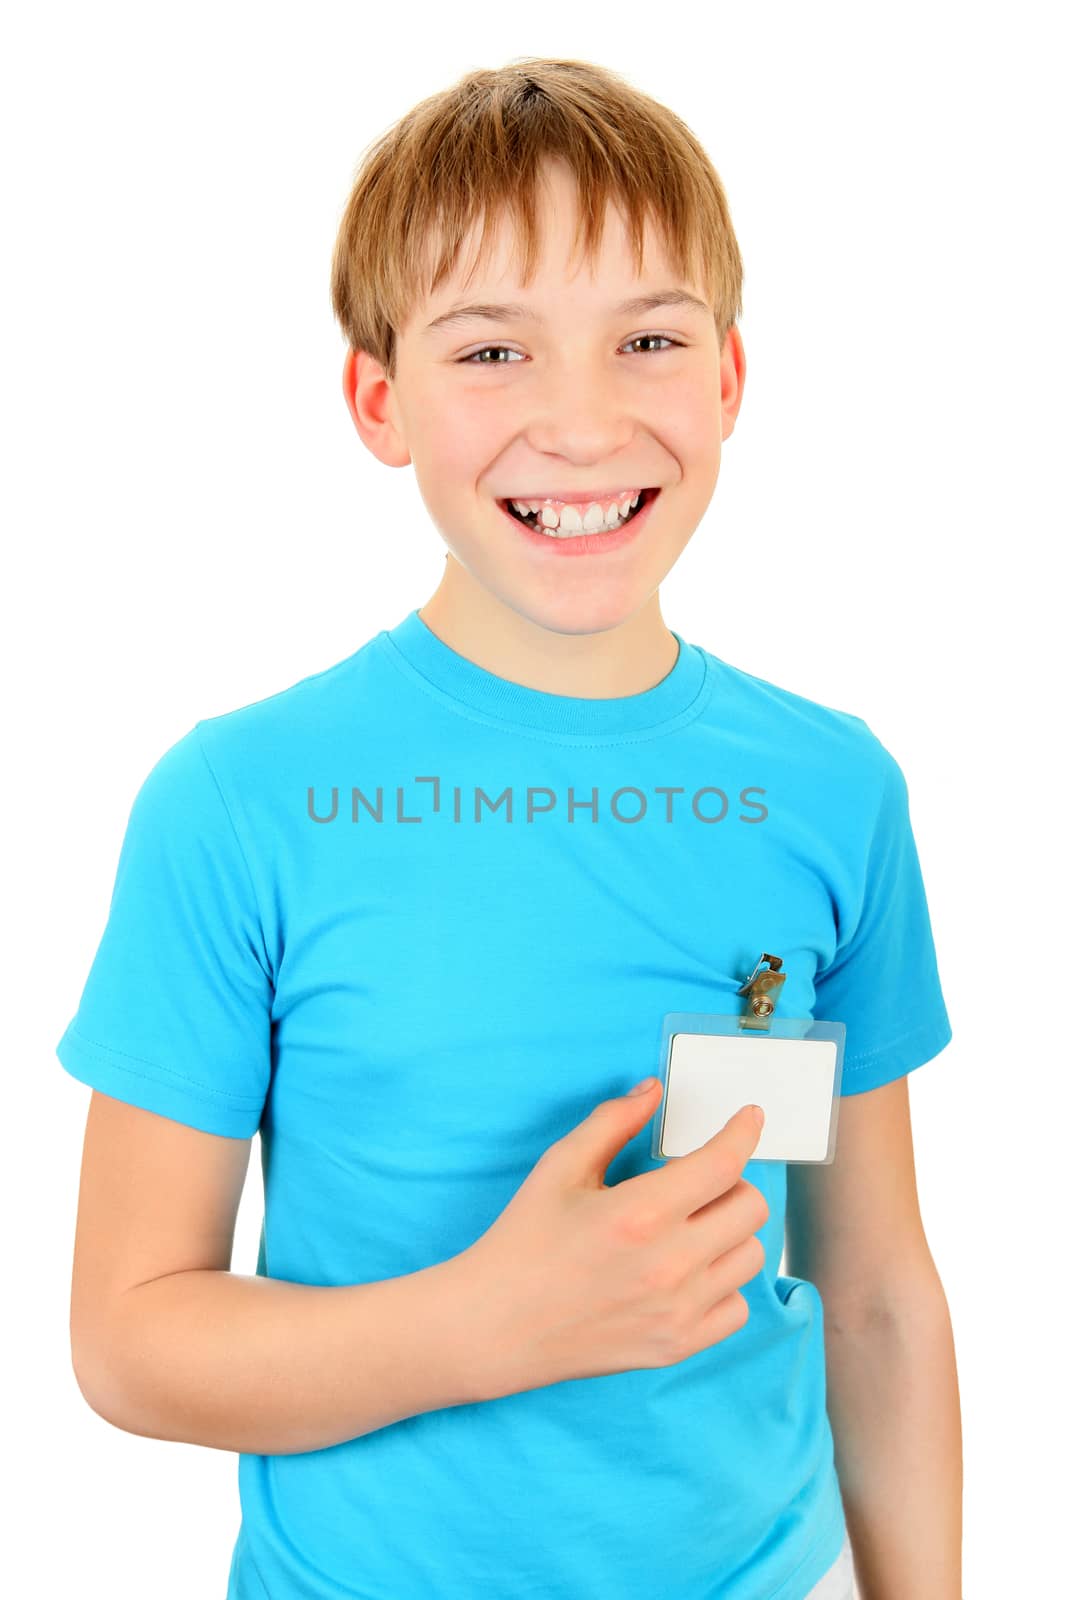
pixel 484 351
pixel 662 337
pixel 472 358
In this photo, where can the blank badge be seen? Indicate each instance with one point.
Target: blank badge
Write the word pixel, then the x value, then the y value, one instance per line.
pixel 712 1065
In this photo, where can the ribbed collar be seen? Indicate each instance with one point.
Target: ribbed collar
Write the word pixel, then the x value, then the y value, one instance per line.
pixel 676 698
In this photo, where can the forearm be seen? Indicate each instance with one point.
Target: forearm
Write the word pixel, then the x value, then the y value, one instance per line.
pixel 268 1367
pixel 893 1401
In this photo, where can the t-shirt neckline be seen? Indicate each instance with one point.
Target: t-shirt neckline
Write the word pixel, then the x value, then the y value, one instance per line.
pixel 675 698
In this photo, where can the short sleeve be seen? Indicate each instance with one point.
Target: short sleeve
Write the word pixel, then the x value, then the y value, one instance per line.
pixel 882 981
pixel 175 1015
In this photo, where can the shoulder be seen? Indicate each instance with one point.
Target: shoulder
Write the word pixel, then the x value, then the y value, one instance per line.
pixel 252 746
pixel 313 704
pixel 815 738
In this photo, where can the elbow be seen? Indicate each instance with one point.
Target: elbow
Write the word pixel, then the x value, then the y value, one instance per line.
pixel 86 1376
pixel 915 1307
pixel 88 1394
pixel 109 1398
pixel 99 1390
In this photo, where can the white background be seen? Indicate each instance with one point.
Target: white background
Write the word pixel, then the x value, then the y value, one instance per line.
pixel 192 523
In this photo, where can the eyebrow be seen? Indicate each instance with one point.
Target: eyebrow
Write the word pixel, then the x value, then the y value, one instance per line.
pixel 514 312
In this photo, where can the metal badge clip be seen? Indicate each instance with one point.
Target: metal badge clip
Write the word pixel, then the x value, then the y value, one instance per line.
pixel 762 990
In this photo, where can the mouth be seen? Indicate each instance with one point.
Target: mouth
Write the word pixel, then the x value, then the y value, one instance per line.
pixel 579 544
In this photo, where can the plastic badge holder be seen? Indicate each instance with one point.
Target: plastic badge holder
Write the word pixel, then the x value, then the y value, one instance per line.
pixel 712 1065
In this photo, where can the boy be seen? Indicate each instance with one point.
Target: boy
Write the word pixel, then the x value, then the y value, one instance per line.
pixel 417 919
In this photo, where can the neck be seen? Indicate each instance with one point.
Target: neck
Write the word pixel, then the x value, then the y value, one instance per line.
pixel 620 658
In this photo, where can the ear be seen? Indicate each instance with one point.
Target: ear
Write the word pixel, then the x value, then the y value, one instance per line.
pixel 732 369
pixel 372 404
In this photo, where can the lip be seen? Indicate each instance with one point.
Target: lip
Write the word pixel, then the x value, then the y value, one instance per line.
pixel 586 544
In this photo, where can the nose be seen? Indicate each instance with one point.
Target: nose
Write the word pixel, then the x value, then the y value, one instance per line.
pixel 579 412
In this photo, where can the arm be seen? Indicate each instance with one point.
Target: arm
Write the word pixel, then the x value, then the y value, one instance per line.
pixel 168 1343
pixel 893 1402
pixel 854 1229
pixel 268 1367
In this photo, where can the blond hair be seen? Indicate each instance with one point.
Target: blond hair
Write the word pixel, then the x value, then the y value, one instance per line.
pixel 476 150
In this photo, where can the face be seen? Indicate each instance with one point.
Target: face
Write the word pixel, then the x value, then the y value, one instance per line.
pixel 577 397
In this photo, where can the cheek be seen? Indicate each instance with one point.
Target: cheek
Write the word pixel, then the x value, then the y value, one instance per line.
pixel 461 438
pixel 696 410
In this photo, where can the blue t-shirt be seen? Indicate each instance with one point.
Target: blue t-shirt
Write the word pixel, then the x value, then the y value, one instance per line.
pixel 412 922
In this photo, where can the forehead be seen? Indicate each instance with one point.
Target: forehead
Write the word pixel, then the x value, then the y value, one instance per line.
pixel 491 259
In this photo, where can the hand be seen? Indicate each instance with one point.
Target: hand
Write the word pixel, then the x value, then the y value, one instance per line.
pixel 576 1278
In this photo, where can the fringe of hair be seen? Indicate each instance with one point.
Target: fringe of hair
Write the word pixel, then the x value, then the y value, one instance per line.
pixel 474 153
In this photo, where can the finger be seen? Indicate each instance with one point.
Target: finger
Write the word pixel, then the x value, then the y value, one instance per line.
pixel 688 1182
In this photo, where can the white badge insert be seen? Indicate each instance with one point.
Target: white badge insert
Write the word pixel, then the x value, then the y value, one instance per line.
pixel 711 1076
pixel 712 1065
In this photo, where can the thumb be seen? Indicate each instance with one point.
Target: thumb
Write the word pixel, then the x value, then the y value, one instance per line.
pixel 590 1148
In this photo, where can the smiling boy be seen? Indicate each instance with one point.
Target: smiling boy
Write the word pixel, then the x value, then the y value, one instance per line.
pixel 576 404
pixel 417 919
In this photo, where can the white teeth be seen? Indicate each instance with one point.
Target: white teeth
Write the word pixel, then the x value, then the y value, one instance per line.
pixel 571 522
pixel 571 519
